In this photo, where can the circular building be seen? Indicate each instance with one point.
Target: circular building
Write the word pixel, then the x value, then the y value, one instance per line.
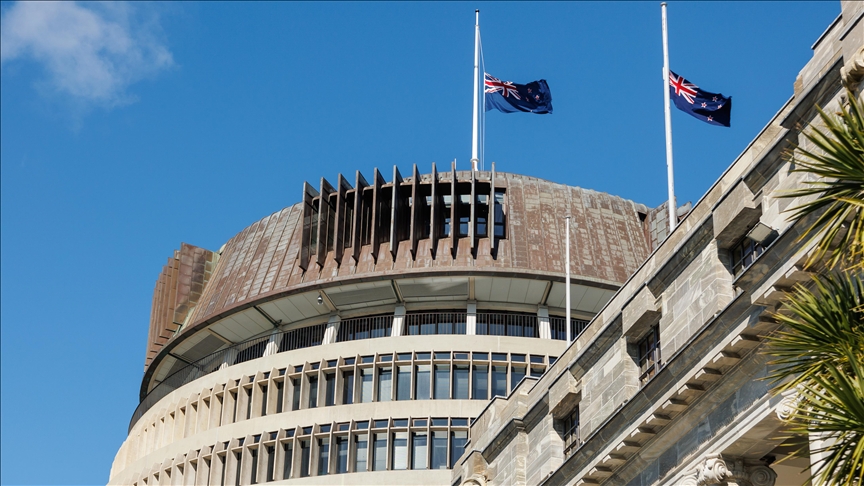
pixel 351 338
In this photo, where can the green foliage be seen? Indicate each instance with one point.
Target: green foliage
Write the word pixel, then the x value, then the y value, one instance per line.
pixel 838 164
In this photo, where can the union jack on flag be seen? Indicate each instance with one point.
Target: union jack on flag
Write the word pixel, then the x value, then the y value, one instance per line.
pixel 509 97
pixel 712 108
pixel 506 88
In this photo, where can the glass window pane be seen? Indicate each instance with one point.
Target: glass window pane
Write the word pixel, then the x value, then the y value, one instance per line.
pixel 400 450
pixel 323 456
pixel 419 450
pixel 348 387
pixel 458 439
pixel 304 458
pixel 403 383
pixel 481 383
pixel 379 451
pixel 442 382
pixel 499 381
pixel 313 391
pixel 286 466
pixel 361 449
pixel 385 377
pixel 518 372
pixel 366 385
pixel 341 455
pixel 439 450
pixel 329 389
pixel 295 397
pixel 460 382
pixel 422 384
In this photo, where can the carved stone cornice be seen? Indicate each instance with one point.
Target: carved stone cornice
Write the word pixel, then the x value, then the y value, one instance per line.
pixel 852 71
pixel 717 470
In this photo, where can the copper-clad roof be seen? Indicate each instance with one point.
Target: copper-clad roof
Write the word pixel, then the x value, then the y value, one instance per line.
pixel 608 242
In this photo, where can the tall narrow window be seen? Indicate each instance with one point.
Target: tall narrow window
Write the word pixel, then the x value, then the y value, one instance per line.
pixel 288 449
pixel 234 410
pixel 341 455
pixel 442 382
pixel 295 396
pixel 313 391
pixel 263 400
pixel 348 387
pixel 379 452
pixel 403 383
pixel 271 462
pixel 329 389
pixel 571 430
pixel 419 450
pixel 248 403
pixel 458 439
pixel 439 449
pixel 499 381
pixel 460 382
pixel 361 451
pixel 366 385
pixel 481 383
pixel 649 354
pixel 400 450
pixel 254 454
pixel 500 215
pixel 323 456
pixel 238 457
pixel 305 453
pixel 385 379
pixel 517 373
pixel 279 398
pixel 422 383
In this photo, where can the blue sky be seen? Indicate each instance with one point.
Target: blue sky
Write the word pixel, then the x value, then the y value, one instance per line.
pixel 127 129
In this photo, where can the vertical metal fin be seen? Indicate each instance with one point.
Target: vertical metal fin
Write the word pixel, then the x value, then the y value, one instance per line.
pixel 435 213
pixel 323 220
pixel 490 220
pixel 416 210
pixel 377 182
pixel 309 193
pixel 342 186
pixel 395 211
pixel 472 220
pixel 359 207
pixel 454 203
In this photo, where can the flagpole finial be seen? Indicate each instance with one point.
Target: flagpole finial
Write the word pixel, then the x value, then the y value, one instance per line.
pixel 662 4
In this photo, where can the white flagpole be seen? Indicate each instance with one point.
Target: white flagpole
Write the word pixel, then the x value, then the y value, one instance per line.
pixel 476 124
pixel 567 278
pixel 669 172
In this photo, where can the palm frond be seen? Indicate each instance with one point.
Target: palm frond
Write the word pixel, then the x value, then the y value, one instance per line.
pixel 838 164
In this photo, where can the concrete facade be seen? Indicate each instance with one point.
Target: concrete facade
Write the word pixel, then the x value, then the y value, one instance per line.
pixel 701 413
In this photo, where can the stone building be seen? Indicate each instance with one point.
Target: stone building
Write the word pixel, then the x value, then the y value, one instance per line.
pixel 665 385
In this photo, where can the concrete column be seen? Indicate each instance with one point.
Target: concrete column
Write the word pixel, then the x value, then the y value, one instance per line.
pixel 273 343
pixel 398 321
pixel 471 319
pixel 543 322
pixel 332 330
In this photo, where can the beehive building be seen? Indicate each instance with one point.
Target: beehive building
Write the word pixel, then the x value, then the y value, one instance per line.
pixel 352 337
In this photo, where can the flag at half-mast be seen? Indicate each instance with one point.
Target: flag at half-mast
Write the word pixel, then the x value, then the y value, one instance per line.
pixel 510 97
pixel 713 108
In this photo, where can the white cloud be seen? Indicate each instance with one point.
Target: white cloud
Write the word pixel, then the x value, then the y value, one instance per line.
pixel 92 52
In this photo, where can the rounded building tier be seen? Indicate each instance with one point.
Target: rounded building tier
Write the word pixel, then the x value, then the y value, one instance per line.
pixel 359 331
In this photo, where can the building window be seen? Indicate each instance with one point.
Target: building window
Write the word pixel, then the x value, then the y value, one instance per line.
pixel 286 466
pixel 403 383
pixel 649 354
pixel 400 451
pixel 361 449
pixel 744 254
pixel 500 214
pixel 460 381
pixel 365 328
pixel 559 331
pixel 481 383
pixel 348 387
pixel 516 375
pixel 442 382
pixel 366 385
pixel 499 381
pixel 439 450
pixel 313 391
pixel 502 324
pixel 329 389
pixel 458 439
pixel 323 456
pixel 571 430
pixel 341 455
pixel 385 379
pixel 423 383
pixel 419 450
pixel 435 323
pixel 379 452
pixel 305 453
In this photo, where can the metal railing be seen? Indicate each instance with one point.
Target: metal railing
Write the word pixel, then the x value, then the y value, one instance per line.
pixel 234 354
pixel 501 324
pixel 365 328
pixel 556 326
pixel 435 323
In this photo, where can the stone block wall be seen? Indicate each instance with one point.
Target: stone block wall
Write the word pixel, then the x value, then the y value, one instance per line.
pixel 606 385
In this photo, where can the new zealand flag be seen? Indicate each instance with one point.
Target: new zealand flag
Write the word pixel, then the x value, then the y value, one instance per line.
pixel 712 108
pixel 509 97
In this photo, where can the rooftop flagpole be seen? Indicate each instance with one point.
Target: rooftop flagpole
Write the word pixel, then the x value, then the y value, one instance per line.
pixel 669 172
pixel 475 136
